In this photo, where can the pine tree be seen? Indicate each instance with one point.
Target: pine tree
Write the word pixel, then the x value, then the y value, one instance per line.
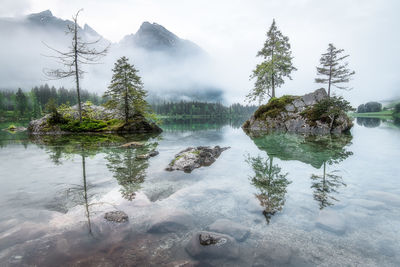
pixel 21 101
pixel 276 66
pixel 334 71
pixel 126 90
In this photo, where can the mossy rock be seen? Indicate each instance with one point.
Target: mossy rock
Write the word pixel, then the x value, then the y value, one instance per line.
pixel 274 107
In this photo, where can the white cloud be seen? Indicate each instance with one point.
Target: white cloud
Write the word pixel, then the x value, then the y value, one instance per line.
pixel 232 31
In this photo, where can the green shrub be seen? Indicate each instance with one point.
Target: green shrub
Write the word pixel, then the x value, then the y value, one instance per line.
pixel 327 110
pixel 274 107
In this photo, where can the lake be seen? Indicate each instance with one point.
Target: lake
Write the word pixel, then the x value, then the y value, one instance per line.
pixel 288 200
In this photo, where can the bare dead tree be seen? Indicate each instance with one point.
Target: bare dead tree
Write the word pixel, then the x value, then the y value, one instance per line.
pixel 79 53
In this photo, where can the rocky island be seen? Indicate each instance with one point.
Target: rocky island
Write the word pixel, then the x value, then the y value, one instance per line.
pixel 95 119
pixel 195 157
pixel 313 113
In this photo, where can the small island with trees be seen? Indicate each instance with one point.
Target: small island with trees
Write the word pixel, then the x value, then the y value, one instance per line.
pixel 125 111
pixel 314 113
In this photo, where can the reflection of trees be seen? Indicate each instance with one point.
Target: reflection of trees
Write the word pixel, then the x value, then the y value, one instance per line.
pixel 67 146
pixel 271 184
pixel 368 122
pixel 199 124
pixel 325 187
pixel 129 170
pixel 318 151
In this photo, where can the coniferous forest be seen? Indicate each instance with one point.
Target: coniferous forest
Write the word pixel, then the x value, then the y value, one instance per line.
pixel 25 105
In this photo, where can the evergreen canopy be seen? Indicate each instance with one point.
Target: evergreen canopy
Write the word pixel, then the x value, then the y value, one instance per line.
pixel 126 90
pixel 333 71
pixel 276 66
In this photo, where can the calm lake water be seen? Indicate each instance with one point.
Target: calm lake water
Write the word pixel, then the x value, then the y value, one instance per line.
pixel 306 201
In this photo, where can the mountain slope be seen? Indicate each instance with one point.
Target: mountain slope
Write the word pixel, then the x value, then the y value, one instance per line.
pixel 172 68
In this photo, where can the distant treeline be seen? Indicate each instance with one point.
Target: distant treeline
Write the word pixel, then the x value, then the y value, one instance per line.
pixel 27 105
pixel 20 105
pixel 205 109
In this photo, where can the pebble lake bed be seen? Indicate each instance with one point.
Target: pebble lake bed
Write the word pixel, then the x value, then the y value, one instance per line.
pixel 277 200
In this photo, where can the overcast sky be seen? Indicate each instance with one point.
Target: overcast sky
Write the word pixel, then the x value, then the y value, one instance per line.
pixel 232 31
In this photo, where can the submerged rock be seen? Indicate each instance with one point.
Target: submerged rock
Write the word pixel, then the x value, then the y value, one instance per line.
pixel 116 216
pixel 153 153
pixel 331 221
pixel 289 114
pixel 195 157
pixel 132 144
pixel 170 222
pixel 212 245
pixel 223 226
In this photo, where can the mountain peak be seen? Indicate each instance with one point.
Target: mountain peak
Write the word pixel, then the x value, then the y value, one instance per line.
pixel 45 13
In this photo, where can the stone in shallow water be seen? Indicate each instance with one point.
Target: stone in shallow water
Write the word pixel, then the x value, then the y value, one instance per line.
pixel 331 221
pixel 154 153
pixel 204 245
pixel 143 156
pixel 116 216
pixel 132 144
pixel 195 157
pixel 224 226
pixel 368 204
pixel 390 198
pixel 170 222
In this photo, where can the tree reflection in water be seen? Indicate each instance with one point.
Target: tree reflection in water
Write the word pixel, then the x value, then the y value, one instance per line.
pixel 325 187
pixel 128 169
pixel 317 151
pixel 271 184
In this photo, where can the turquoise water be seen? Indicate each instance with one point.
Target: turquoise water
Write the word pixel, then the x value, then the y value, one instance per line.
pixel 306 201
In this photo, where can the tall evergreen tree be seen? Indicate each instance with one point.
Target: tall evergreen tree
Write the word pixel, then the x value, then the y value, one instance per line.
pixel 21 101
pixel 333 70
pixel 276 66
pixel 126 90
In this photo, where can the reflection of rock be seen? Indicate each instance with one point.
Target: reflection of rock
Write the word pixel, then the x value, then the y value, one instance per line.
pixel 313 150
pixel 288 114
pixel 143 156
pixel 223 226
pixel 116 216
pixel 212 245
pixel 132 144
pixel 190 158
pixel 331 221
pixel 170 222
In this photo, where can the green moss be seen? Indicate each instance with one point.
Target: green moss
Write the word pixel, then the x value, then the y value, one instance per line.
pixel 12 127
pixel 114 124
pixel 274 107
pixel 175 159
pixel 87 125
pixel 196 152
